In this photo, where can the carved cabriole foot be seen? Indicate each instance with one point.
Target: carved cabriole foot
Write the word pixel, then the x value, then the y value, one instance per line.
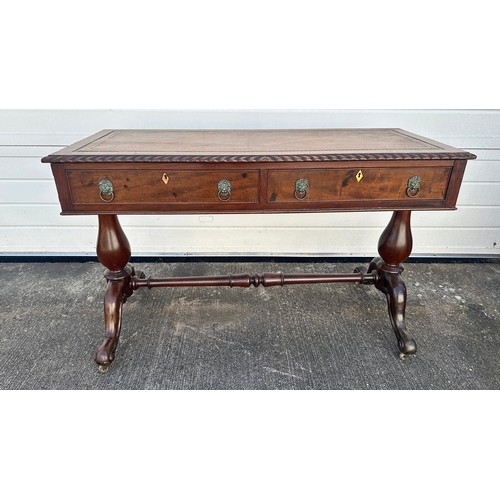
pixel 394 247
pixel 117 292
pixel 113 251
pixel 389 282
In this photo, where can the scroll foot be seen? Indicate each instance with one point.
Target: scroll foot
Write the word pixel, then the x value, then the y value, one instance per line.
pixel 106 353
pixel 113 251
pixel 395 291
pixel 394 247
pixel 117 292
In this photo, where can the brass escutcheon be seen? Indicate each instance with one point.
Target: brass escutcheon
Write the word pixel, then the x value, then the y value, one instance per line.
pixel 359 176
pixel 165 179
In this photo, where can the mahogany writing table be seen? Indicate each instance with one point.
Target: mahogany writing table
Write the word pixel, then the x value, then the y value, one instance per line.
pixel 255 171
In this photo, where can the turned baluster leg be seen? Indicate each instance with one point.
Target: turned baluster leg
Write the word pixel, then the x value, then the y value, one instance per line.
pixel 113 251
pixel 394 247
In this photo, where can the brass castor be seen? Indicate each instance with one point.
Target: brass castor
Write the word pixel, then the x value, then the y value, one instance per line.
pixel 103 369
pixel 403 356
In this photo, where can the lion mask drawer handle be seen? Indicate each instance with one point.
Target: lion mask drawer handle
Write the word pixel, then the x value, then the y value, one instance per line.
pixel 106 192
pixel 224 190
pixel 413 187
pixel 301 189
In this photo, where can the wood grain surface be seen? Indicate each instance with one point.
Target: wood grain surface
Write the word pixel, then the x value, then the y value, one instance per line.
pixel 254 146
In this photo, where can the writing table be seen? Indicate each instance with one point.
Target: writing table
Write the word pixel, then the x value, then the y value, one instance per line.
pixel 255 171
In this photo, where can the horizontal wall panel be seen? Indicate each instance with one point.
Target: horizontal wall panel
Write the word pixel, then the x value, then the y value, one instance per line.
pixel 439 124
pixel 481 143
pixel 482 171
pixel 39 139
pixel 485 154
pixel 29 191
pixel 250 241
pixel 26 151
pixel 19 167
pixel 480 193
pixel 48 216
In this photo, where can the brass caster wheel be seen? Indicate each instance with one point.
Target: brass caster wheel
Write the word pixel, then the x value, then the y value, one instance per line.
pixel 103 369
pixel 403 356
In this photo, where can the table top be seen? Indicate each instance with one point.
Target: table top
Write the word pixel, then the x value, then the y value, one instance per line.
pixel 257 145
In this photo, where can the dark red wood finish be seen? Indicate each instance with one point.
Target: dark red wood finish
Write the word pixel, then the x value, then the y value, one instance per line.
pixel 257 188
pixel 255 171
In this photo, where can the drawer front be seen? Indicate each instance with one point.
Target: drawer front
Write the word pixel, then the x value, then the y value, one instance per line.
pixel 149 186
pixel 364 184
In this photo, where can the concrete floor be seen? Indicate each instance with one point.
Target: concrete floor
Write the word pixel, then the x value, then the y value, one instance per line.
pixel 298 337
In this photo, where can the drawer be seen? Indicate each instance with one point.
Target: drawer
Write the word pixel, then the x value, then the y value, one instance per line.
pixel 165 186
pixel 359 184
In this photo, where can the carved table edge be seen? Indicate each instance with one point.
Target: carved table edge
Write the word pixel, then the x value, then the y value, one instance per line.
pixel 455 155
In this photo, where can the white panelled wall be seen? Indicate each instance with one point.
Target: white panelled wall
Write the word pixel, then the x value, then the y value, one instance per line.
pixel 30 223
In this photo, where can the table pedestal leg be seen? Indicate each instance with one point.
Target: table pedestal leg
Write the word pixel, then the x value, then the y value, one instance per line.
pixel 394 247
pixel 113 251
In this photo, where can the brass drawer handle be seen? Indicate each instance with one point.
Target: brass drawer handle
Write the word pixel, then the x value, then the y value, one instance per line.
pixel 413 187
pixel 301 189
pixel 224 190
pixel 106 192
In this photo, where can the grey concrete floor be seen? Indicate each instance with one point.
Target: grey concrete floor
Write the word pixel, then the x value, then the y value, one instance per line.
pixel 298 337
